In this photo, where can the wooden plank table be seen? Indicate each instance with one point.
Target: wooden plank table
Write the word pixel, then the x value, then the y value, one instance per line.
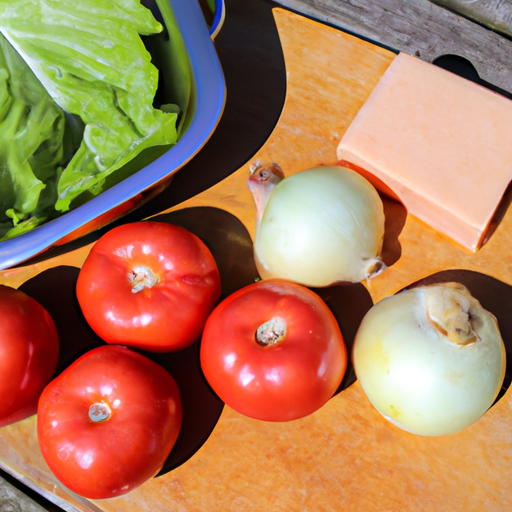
pixel 344 456
pixel 427 30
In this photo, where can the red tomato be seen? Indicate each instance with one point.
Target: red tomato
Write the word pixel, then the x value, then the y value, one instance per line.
pixel 148 285
pixel 108 422
pixel 29 351
pixel 273 351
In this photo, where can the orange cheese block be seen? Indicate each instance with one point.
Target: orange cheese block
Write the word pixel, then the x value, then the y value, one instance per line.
pixel 438 142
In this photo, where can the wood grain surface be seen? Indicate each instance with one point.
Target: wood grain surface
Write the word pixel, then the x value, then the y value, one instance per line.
pixel 496 14
pixel 345 456
pixel 420 28
pixel 12 500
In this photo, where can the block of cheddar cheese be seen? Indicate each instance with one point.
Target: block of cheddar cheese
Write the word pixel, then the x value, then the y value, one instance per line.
pixel 439 143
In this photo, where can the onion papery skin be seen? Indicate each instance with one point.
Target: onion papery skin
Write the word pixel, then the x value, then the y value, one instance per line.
pixel 414 375
pixel 321 226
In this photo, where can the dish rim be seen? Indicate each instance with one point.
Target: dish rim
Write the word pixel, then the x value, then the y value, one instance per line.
pixel 209 91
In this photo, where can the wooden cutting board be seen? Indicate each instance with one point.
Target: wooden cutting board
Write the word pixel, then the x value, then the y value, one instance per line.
pixel 345 456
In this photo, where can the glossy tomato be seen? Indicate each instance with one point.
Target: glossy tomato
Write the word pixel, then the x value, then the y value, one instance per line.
pixel 108 422
pixel 148 285
pixel 273 351
pixel 29 351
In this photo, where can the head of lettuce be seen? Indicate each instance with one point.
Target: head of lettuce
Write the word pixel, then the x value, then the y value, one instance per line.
pixel 77 91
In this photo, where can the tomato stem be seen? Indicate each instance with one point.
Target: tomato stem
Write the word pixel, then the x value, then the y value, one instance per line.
pixel 141 277
pixel 99 412
pixel 271 332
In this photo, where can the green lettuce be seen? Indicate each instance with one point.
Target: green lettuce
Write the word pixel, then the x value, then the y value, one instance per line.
pixel 91 61
pixel 34 146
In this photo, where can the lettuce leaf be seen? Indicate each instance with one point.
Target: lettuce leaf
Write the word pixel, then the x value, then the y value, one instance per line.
pixel 34 146
pixel 90 58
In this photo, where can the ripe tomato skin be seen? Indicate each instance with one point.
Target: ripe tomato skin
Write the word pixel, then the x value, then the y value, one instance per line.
pixel 280 382
pixel 164 317
pixel 29 351
pixel 109 458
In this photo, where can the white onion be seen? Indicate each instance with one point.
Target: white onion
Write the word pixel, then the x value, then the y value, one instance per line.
pixel 317 227
pixel 430 359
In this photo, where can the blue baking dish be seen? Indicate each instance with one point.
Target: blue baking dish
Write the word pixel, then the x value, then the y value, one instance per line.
pixel 196 83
